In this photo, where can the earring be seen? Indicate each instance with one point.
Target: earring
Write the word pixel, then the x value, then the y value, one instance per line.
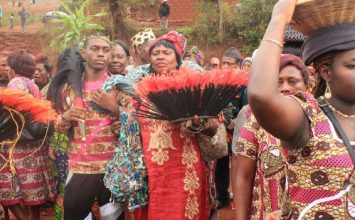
pixel 327 93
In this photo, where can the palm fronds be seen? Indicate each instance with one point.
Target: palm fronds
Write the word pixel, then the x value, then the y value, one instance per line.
pixel 73 25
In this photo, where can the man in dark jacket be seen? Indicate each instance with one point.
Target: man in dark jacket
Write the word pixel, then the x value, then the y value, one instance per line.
pixel 164 12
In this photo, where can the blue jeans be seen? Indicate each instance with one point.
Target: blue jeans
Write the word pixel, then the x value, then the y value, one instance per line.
pixel 23 25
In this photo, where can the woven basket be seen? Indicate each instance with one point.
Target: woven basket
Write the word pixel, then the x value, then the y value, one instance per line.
pixel 311 15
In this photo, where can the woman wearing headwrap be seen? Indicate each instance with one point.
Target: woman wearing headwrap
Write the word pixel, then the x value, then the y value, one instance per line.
pixel 246 64
pixel 317 139
pixel 178 186
pixel 260 169
pixel 30 181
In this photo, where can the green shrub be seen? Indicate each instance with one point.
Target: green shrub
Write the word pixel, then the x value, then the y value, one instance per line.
pixel 186 31
pixel 251 22
pixel 204 28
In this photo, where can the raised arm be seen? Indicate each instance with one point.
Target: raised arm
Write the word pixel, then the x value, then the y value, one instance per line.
pixel 281 116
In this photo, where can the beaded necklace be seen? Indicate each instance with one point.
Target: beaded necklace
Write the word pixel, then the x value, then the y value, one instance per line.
pixel 345 118
pixel 338 112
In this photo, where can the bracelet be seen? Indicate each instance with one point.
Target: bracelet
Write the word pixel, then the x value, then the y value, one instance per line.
pixel 61 125
pixel 275 42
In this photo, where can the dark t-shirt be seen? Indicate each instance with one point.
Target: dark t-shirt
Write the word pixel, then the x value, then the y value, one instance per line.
pixel 164 10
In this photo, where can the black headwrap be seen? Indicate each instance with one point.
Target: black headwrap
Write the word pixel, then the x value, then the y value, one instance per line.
pixel 233 53
pixel 333 38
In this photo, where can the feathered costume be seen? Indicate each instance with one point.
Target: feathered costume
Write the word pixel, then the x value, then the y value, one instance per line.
pixel 24 162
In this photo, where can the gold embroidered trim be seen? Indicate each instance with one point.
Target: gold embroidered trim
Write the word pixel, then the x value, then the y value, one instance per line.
pixel 160 142
pixel 191 179
pixel 189 156
pixel 191 208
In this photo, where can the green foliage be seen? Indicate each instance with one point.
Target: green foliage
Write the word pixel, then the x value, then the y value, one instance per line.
pixel 204 28
pixel 74 26
pixel 247 21
pixel 252 19
pixel 230 18
pixel 186 31
pixel 72 5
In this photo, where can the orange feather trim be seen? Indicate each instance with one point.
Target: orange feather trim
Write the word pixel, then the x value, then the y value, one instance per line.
pixel 39 110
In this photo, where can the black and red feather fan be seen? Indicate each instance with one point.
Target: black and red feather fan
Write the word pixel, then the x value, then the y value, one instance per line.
pixel 186 93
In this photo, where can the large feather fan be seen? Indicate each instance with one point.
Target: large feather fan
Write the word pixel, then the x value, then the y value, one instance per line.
pixel 186 93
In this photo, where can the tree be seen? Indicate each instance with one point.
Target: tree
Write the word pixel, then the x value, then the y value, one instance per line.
pixel 221 20
pixel 253 17
pixel 116 10
pixel 74 26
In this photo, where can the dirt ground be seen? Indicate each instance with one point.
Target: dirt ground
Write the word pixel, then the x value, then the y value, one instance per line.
pixel 15 40
pixel 224 214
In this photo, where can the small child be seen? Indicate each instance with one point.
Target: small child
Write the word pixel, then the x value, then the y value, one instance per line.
pixel 12 20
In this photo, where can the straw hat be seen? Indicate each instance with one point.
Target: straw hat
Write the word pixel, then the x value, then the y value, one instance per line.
pixel 311 15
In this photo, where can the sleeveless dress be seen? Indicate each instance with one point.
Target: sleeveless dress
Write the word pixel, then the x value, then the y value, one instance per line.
pixel 321 174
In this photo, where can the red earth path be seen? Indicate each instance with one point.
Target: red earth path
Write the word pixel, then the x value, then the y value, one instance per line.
pixel 14 40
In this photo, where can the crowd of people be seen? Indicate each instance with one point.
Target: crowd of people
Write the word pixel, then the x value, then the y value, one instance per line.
pixel 22 14
pixel 289 134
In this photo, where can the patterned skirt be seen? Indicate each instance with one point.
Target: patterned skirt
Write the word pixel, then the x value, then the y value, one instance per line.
pixel 32 183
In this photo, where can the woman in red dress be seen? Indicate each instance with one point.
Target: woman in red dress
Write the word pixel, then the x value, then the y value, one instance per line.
pixel 178 185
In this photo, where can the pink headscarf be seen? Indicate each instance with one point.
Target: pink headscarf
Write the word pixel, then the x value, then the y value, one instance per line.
pixel 174 37
pixel 289 59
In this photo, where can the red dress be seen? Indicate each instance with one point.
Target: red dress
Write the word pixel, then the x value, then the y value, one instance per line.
pixel 178 187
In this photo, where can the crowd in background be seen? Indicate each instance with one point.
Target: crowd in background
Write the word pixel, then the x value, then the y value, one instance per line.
pixel 289 132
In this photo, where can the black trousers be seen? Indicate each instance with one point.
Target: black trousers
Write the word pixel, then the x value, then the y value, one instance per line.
pixel 80 193
pixel 222 179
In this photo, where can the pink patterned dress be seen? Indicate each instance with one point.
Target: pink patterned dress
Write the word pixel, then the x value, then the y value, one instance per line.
pixel 321 174
pixel 32 183
pixel 269 181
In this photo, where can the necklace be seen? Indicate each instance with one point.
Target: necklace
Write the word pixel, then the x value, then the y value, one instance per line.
pixel 347 122
pixel 339 112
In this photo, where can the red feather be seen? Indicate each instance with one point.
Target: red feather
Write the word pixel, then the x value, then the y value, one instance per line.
pixel 187 78
pixel 185 93
pixel 39 110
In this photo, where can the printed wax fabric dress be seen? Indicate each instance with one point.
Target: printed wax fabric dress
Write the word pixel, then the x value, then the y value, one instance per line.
pixel 177 181
pixel 126 173
pixel 269 182
pixel 32 183
pixel 321 174
pixel 59 143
